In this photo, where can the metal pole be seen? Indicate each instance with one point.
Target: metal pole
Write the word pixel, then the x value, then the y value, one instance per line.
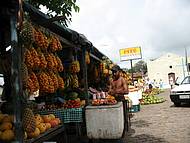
pixel 16 82
pixel 183 68
pixel 132 71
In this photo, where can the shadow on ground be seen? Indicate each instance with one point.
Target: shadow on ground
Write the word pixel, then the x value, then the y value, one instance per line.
pixel 182 105
pixel 140 123
pixel 144 138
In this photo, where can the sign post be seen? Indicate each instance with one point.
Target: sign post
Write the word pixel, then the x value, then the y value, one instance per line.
pixel 131 54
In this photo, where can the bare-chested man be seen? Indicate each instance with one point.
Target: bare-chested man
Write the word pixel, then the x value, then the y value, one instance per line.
pixel 118 88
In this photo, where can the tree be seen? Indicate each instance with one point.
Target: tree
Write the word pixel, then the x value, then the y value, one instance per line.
pixel 62 8
pixel 140 66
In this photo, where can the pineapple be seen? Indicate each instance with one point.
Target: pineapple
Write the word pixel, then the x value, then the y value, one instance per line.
pixel 87 57
pixel 75 82
pixel 29 123
pixel 75 67
pixel 27 33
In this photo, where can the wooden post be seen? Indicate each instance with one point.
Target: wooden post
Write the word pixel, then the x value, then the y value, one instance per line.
pixel 84 68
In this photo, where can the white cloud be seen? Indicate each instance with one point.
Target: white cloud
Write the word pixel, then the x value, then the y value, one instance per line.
pixel 158 26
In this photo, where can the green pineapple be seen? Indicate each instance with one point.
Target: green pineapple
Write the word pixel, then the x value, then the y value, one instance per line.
pixel 29 122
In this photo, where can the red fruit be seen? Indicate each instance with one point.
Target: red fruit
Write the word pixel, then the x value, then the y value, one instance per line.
pixel 54 123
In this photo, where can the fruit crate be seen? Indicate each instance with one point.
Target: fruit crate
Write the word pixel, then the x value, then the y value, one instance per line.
pixel 59 113
pixel 73 115
pixel 66 115
pixel 135 108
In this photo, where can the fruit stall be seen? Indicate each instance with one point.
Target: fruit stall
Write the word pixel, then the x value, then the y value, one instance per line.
pixel 53 77
pixel 42 72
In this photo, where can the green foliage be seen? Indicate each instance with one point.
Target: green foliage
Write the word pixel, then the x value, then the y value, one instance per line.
pixel 58 8
pixel 140 66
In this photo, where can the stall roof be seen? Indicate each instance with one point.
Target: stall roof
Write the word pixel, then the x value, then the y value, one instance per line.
pixel 68 34
pixel 42 19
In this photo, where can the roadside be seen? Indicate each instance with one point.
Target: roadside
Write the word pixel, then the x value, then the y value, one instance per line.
pixel 162 122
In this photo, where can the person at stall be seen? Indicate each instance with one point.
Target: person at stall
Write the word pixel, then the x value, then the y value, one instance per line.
pixel 118 85
pixel 119 88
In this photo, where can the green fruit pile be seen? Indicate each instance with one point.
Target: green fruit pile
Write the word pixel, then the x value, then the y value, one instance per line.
pixel 151 99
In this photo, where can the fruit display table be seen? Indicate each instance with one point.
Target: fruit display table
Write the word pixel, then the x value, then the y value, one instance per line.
pixel 47 135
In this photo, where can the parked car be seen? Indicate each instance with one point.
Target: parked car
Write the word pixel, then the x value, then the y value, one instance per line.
pixel 181 92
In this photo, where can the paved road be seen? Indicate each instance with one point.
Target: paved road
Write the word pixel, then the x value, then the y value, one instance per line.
pixel 157 123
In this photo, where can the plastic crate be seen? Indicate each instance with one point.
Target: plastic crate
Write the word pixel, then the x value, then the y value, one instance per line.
pixel 66 115
pixel 59 113
pixel 135 108
pixel 73 115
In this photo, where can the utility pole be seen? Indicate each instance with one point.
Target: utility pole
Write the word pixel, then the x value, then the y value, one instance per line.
pixel 186 61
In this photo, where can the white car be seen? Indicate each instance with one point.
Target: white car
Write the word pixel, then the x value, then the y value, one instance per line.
pixel 181 93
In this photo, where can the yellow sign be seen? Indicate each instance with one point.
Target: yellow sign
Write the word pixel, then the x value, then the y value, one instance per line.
pixel 130 53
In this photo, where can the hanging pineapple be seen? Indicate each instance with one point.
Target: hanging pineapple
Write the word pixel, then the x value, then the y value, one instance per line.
pixel 50 61
pixel 75 82
pixel 41 40
pixel 55 44
pixel 28 59
pixel 54 79
pixel 27 33
pixel 61 82
pixel 34 78
pixel 55 63
pixel 29 123
pixel 30 86
pixel 75 67
pixel 43 62
pixel 60 65
pixel 43 80
pixel 35 57
pixel 87 57
pixel 51 88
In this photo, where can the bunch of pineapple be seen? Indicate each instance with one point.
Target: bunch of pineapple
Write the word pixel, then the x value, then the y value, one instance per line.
pixel 51 61
pixel 75 67
pixel 87 57
pixel 40 40
pixel 35 57
pixel 54 61
pixel 32 83
pixel 55 44
pixel 43 80
pixel 54 78
pixel 43 62
pixel 27 33
pixel 28 59
pixel 51 88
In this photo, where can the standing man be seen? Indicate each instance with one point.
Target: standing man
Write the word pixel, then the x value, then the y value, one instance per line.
pixel 118 88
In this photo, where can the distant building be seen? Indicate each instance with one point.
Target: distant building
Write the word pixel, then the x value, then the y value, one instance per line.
pixel 167 68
